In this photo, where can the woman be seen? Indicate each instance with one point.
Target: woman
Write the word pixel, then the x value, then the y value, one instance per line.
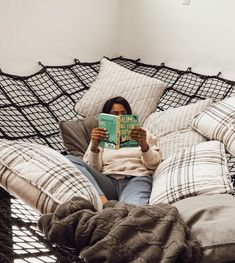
pixel 126 172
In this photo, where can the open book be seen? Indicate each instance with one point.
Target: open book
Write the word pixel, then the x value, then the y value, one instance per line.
pixel 118 129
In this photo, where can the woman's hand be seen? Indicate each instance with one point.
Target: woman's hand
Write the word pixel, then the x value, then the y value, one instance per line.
pixel 103 199
pixel 96 135
pixel 140 136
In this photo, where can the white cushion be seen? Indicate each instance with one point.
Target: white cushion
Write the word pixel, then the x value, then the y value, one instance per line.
pixel 218 123
pixel 198 170
pixel 42 177
pixel 178 141
pixel 142 92
pixel 176 119
pixel 172 127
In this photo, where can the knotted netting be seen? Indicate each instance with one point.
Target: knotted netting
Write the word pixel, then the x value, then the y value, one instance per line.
pixel 32 106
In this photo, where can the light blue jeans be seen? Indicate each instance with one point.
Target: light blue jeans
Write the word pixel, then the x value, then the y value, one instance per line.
pixel 134 189
pixel 131 190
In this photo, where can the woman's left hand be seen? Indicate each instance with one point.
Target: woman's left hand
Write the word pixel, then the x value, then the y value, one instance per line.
pixel 140 136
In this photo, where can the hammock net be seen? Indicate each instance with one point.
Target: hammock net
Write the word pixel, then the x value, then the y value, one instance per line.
pixel 32 106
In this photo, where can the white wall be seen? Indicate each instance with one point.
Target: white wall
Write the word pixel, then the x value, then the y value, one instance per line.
pixel 55 32
pixel 200 35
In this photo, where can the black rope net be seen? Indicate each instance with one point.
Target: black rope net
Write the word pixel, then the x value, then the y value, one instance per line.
pixel 32 106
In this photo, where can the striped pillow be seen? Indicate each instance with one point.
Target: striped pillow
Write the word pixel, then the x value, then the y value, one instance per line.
pixel 218 123
pixel 172 127
pixel 198 170
pixel 42 177
pixel 174 119
pixel 142 92
pixel 178 141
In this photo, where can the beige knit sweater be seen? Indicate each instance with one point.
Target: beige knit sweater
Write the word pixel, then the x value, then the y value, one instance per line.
pixel 125 161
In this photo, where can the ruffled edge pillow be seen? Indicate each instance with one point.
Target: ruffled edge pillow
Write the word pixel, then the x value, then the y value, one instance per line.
pixel 218 123
pixel 141 91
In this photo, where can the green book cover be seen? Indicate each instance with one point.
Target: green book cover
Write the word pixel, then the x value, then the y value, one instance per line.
pixel 118 129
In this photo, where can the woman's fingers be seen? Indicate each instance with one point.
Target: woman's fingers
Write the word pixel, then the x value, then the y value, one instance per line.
pixel 138 134
pixel 98 134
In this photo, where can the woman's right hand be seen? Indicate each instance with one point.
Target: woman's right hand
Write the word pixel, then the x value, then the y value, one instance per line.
pixel 96 135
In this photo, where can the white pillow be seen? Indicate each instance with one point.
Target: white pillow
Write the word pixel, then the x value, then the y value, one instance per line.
pixel 178 141
pixel 172 127
pixel 142 92
pixel 42 177
pixel 198 170
pixel 218 123
pixel 176 119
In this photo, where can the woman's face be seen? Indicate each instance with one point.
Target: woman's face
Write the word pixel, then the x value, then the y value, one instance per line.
pixel 118 109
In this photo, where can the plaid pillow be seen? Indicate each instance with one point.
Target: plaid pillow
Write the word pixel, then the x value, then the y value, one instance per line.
pixel 198 170
pixel 142 92
pixel 42 177
pixel 218 123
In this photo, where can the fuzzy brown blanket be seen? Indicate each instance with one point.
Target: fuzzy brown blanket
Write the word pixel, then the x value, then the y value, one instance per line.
pixel 121 233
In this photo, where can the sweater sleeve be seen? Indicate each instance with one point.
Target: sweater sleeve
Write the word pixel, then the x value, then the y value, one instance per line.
pixel 94 159
pixel 152 157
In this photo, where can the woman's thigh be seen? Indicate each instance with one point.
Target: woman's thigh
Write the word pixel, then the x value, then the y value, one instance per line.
pixel 137 191
pixel 104 183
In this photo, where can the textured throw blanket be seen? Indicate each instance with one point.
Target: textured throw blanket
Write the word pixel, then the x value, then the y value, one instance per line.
pixel 121 232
